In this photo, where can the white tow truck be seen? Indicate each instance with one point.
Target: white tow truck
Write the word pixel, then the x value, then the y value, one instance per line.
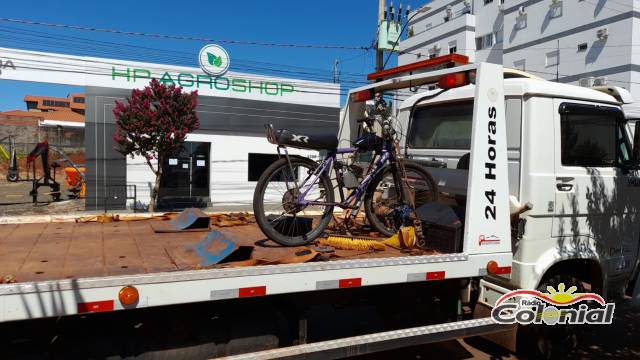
pixel 570 160
pixel 346 307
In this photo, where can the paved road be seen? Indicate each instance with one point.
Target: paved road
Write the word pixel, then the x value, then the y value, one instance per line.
pixel 15 200
pixel 618 341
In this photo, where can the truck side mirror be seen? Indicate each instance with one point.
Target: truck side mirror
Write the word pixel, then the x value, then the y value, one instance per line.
pixel 635 152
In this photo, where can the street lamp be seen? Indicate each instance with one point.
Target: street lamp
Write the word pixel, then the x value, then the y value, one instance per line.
pixel 421 10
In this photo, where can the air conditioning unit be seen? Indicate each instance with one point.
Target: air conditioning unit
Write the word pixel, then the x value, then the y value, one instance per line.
pixel 602 34
pixel 586 82
pixel 521 11
pixel 600 81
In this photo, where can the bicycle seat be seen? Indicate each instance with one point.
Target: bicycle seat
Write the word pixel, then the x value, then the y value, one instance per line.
pixel 306 141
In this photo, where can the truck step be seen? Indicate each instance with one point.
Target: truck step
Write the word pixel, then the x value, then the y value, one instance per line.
pixel 382 341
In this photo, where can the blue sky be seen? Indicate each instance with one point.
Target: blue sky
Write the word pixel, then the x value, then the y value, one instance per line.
pixel 350 23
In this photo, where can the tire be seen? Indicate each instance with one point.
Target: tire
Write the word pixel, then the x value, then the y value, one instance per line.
pixel 277 229
pixel 550 341
pixel 428 192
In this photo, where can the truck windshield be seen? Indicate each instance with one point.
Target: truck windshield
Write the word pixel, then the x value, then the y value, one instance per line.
pixel 446 126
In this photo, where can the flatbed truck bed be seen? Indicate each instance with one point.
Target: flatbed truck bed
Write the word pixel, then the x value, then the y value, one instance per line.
pixel 68 267
pixel 69 250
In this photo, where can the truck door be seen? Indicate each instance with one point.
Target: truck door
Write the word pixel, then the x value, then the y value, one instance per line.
pixel 595 207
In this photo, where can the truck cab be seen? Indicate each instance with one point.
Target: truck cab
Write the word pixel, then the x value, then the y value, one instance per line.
pixel 569 153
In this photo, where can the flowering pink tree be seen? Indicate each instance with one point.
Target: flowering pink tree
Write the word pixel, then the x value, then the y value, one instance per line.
pixel 153 122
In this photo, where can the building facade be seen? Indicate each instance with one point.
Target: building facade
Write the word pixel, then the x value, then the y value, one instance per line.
pixel 583 42
pixel 216 166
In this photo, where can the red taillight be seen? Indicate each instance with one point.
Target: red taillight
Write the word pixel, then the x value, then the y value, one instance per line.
pixel 453 80
pixel 361 96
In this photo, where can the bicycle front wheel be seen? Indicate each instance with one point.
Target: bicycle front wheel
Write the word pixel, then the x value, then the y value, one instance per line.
pixel 279 214
pixel 382 196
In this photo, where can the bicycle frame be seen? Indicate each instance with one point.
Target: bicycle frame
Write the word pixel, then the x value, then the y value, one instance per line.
pixel 353 199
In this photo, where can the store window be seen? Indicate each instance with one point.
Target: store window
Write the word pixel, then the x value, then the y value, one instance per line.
pixel 258 163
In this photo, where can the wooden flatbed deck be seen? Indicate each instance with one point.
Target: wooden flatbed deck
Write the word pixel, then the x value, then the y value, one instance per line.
pixel 67 250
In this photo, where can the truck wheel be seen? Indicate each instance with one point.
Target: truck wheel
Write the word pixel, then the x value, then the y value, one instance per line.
pixel 550 341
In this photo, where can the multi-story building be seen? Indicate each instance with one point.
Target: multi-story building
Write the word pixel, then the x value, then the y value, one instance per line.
pixel 585 42
pixel 73 102
pixel 52 111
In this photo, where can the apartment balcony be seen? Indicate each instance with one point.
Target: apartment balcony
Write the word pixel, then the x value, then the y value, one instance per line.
pixel 443 31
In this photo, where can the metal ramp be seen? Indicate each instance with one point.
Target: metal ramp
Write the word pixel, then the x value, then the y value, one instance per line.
pixel 190 219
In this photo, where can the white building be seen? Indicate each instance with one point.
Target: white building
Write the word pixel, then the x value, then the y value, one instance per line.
pixel 585 42
pixel 219 163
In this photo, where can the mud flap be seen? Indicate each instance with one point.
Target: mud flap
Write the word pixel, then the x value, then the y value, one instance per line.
pixel 489 294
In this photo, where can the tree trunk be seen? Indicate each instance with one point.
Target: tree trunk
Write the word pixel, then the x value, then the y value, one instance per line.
pixel 156 188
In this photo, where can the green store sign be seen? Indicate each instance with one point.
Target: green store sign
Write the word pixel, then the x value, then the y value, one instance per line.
pixel 199 81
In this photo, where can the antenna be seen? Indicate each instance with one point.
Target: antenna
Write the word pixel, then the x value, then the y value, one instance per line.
pixel 336 71
pixel 391 13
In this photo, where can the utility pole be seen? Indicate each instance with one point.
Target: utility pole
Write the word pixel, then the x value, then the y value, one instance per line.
pixel 382 4
pixel 558 59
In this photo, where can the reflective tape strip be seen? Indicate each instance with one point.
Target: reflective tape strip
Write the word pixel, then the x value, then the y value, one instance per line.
pixel 349 283
pixel 502 270
pixel 96 306
pixel 252 291
pixel 429 276
pixel 435 275
pixel 338 284
pixel 327 284
pixel 224 294
pixel 238 293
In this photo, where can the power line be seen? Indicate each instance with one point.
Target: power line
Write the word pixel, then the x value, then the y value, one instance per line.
pixel 91 44
pixel 183 37
pixel 163 51
pixel 160 55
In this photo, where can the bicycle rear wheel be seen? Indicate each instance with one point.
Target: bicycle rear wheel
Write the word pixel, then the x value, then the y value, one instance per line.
pixel 382 197
pixel 275 204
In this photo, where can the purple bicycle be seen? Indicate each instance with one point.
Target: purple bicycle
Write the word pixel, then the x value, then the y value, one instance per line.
pixel 294 199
